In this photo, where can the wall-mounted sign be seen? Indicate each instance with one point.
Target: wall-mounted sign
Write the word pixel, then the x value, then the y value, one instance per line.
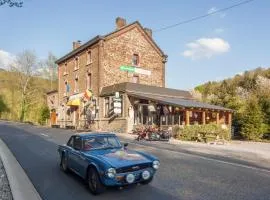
pixel 117 104
pixel 135 70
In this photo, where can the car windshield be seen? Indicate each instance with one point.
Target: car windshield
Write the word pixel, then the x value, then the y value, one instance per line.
pixel 101 142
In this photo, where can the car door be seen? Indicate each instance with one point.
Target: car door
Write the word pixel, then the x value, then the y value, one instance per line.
pixel 76 156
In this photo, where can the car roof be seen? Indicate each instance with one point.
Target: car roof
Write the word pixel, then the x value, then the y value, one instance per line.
pixel 94 134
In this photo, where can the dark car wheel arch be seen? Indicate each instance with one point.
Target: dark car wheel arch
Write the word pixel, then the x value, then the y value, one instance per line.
pixel 64 159
pixel 94 181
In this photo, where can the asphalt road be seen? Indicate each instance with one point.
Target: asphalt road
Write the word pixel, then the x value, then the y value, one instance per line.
pixel 181 176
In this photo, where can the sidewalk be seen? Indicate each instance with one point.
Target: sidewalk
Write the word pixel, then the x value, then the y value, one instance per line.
pixel 255 152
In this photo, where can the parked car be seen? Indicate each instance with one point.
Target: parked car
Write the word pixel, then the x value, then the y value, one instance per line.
pixel 102 161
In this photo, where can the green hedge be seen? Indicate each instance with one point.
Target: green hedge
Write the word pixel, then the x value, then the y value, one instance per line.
pixel 208 132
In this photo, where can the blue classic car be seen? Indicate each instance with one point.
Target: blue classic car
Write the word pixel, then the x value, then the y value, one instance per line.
pixel 102 161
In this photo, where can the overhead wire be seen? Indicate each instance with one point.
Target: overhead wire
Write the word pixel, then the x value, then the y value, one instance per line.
pixel 203 16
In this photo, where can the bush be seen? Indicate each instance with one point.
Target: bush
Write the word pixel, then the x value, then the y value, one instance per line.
pixel 201 132
pixel 3 106
pixel 44 115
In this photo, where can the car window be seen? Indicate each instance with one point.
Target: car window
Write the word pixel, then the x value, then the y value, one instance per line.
pixel 71 142
pixel 101 142
pixel 77 143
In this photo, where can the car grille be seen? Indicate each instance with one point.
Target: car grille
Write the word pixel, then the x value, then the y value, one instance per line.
pixel 133 168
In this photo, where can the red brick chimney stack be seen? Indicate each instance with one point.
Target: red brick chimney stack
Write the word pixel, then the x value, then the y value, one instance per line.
pixel 120 22
pixel 76 44
pixel 148 31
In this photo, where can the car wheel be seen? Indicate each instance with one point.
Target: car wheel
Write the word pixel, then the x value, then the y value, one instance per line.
pixel 95 185
pixel 63 163
pixel 147 181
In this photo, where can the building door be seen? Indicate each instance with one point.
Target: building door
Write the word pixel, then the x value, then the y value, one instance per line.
pixel 53 117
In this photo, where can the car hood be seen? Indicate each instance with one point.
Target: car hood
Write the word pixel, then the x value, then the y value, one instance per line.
pixel 120 158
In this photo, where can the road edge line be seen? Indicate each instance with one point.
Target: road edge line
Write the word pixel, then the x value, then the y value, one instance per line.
pixel 20 185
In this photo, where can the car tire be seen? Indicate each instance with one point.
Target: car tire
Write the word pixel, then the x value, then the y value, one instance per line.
pixel 147 181
pixel 63 163
pixel 94 183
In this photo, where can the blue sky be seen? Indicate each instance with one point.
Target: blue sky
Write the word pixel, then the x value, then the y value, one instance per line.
pixel 213 48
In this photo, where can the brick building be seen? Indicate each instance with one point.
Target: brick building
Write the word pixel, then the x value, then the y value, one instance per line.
pixel 120 62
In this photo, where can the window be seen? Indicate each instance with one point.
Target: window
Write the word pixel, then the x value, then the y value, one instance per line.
pixel 67 88
pixel 135 60
pixel 107 106
pixel 71 142
pixel 135 79
pixel 89 57
pixel 76 88
pixel 88 80
pixel 101 142
pixel 76 62
pixel 65 69
pixel 77 144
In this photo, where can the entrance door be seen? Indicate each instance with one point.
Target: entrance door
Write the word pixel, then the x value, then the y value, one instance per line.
pixel 53 117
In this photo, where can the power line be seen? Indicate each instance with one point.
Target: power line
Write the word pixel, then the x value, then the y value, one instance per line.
pixel 202 16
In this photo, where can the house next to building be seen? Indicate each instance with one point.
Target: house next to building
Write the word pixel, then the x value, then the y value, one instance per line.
pixel 117 81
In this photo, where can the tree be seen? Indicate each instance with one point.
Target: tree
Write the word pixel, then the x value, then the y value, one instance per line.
pixel 49 69
pixel 252 120
pixel 44 114
pixel 25 68
pixel 11 3
pixel 3 106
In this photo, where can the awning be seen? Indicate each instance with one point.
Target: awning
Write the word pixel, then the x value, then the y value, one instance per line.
pixel 75 102
pixel 180 102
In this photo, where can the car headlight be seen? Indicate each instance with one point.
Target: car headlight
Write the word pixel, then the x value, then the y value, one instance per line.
pixel 156 164
pixel 111 172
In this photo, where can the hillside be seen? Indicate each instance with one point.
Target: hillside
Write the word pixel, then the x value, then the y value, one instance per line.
pixel 248 94
pixel 10 91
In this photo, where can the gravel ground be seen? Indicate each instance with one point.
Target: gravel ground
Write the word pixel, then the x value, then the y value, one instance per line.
pixel 5 193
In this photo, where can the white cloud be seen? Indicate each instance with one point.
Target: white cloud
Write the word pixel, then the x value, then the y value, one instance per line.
pixel 206 48
pixel 219 30
pixel 211 10
pixel 214 9
pixel 6 59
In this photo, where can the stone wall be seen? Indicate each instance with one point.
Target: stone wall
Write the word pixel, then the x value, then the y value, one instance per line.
pixel 81 73
pixel 119 49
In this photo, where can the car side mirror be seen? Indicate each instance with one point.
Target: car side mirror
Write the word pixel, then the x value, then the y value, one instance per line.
pixel 125 144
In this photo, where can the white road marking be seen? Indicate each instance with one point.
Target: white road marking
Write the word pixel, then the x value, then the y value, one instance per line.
pixel 209 159
pixel 45 135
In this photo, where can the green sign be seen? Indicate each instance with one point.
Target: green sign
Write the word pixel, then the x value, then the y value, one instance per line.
pixel 127 68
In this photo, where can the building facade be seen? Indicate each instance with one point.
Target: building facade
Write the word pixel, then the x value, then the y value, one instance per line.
pixel 96 80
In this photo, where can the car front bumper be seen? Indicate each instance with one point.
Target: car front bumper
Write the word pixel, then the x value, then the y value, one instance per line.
pixel 120 178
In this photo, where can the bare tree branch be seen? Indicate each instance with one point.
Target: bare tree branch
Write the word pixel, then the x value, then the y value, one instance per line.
pixel 11 3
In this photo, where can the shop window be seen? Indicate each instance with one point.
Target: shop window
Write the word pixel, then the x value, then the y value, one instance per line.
pixel 107 106
pixel 88 80
pixel 89 57
pixel 135 60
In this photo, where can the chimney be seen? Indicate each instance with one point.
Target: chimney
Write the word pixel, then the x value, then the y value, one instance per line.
pixel 76 44
pixel 120 22
pixel 148 31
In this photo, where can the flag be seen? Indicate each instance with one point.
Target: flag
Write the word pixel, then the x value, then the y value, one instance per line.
pixel 88 94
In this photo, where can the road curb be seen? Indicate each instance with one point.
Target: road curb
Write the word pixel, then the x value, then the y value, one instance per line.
pixel 20 185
